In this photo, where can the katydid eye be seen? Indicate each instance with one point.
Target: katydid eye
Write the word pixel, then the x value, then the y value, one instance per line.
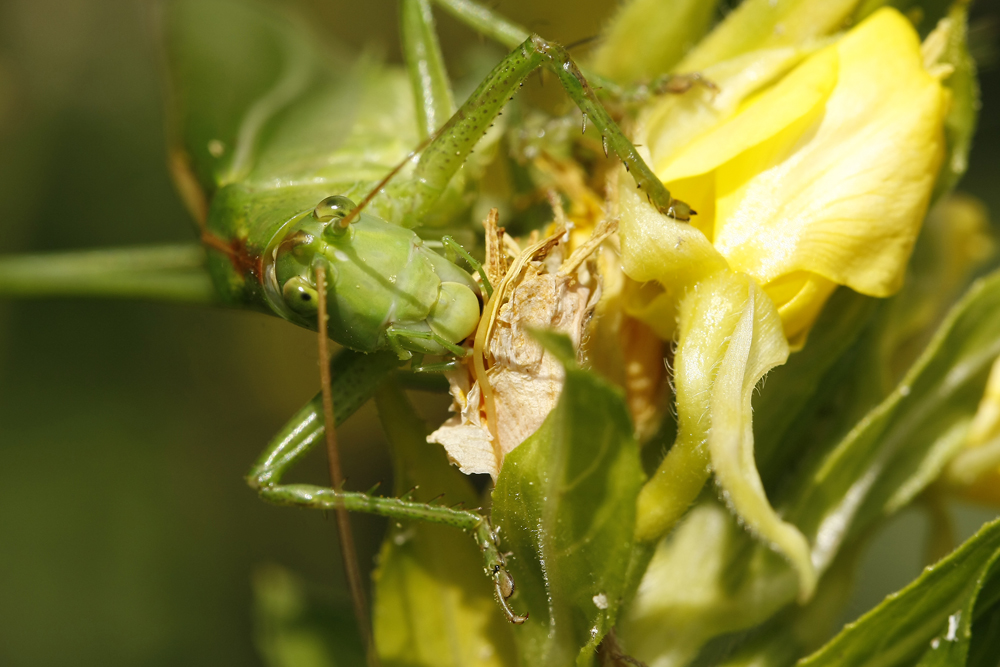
pixel 304 246
pixel 336 206
pixel 300 296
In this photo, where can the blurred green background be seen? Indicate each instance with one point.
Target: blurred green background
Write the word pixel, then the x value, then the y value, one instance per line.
pixel 127 535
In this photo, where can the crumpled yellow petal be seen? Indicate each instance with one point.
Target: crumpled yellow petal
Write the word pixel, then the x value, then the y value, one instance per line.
pixel 672 122
pixel 762 24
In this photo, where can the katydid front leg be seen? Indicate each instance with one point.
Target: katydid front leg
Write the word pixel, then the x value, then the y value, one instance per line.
pixel 452 144
pixel 355 379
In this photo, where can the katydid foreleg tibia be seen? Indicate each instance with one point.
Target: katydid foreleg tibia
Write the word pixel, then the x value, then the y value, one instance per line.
pixel 355 377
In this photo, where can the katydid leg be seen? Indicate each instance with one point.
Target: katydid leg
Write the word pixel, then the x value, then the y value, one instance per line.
pixel 355 379
pixel 397 336
pixel 322 498
pixel 455 140
pixel 477 266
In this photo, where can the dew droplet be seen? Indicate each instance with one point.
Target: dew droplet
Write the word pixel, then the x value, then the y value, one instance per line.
pixel 336 206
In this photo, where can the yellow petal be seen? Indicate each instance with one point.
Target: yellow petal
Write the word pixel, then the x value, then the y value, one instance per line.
pixel 843 197
pixel 800 298
pixel 763 24
pixel 761 118
pixel 672 122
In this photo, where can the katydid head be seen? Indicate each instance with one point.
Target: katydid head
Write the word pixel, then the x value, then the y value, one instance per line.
pixel 307 244
pixel 384 287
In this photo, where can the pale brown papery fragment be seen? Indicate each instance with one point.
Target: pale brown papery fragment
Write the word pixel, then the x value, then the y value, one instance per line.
pixel 539 290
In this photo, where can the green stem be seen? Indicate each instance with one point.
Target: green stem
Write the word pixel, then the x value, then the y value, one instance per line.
pixel 425 66
pixel 485 21
pixel 171 273
pixel 667 495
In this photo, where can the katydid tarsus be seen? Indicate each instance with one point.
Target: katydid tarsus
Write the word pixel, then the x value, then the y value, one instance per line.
pixel 269 217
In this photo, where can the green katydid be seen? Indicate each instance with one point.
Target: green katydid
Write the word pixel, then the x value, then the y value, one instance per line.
pixel 259 175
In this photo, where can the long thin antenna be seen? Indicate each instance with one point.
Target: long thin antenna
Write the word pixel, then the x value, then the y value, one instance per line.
pixel 347 550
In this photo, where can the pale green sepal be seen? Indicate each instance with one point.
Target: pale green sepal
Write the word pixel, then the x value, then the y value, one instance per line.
pixel 923 617
pixel 565 506
pixel 797 631
pixel 757 345
pixel 433 605
pixel 705 580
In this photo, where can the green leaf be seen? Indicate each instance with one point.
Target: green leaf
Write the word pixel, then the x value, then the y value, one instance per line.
pixel 558 344
pixel 296 626
pixel 565 503
pixel 433 604
pixel 903 443
pixel 932 616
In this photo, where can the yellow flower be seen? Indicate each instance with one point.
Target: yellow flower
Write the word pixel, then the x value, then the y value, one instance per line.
pixel 812 167
pixel 821 179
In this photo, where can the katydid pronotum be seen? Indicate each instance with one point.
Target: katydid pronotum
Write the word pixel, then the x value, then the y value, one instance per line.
pixel 264 223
